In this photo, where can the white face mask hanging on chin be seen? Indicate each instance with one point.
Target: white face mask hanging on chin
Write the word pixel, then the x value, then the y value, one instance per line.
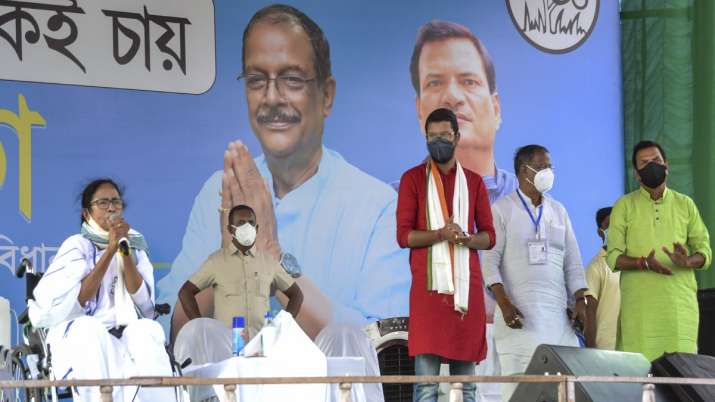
pixel 543 180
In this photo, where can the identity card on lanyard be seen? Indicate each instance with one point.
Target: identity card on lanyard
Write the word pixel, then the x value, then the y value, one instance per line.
pixel 537 247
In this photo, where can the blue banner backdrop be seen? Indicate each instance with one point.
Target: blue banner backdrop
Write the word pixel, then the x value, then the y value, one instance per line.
pixel 163 146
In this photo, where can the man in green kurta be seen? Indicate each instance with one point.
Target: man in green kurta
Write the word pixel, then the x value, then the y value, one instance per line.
pixel 657 239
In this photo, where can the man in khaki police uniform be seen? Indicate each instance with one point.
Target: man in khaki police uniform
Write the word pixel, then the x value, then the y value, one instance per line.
pixel 242 278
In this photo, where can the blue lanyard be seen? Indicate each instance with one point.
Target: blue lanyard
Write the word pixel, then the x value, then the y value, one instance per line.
pixel 528 210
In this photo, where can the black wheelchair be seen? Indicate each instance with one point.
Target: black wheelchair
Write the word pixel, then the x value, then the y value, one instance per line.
pixel 32 358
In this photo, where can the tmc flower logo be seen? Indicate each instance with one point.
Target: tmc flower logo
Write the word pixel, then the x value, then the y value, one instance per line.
pixel 554 26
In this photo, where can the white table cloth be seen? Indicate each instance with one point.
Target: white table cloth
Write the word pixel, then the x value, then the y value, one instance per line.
pixel 276 367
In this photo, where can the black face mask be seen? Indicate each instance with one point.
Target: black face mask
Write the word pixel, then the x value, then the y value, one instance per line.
pixel 441 150
pixel 652 175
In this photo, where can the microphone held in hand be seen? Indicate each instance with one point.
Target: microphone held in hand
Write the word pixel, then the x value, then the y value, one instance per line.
pixel 124 246
pixel 123 242
pixel 25 266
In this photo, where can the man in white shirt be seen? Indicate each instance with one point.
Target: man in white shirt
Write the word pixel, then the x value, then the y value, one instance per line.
pixel 534 268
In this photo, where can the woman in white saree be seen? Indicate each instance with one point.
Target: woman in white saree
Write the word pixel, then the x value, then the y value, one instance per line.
pixel 97 299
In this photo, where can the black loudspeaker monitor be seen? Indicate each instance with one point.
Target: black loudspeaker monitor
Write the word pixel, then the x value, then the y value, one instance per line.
pixel 706 333
pixel 584 362
pixel 687 365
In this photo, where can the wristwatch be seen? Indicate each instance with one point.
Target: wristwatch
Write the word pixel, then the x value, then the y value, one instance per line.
pixel 290 265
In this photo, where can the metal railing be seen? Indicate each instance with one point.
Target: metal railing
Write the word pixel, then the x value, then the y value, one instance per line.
pixel 566 383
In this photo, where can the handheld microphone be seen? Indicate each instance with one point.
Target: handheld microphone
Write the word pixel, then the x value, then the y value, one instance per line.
pixel 25 266
pixel 123 246
pixel 123 242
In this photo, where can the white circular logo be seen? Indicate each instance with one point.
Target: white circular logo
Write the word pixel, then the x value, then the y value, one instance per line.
pixel 554 26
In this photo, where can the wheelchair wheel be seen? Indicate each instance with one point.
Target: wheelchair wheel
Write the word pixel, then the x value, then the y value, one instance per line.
pixel 22 372
pixel 15 370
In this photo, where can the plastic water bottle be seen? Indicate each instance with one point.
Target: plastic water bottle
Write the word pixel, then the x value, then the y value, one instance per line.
pixel 268 334
pixel 268 319
pixel 239 323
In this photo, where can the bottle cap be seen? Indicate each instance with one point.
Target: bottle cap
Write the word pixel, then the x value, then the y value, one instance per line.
pixel 239 322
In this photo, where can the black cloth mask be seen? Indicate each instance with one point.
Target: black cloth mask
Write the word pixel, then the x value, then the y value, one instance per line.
pixel 441 150
pixel 653 174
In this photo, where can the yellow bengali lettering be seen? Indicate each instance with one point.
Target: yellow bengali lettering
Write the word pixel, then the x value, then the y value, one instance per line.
pixel 22 124
pixel 3 165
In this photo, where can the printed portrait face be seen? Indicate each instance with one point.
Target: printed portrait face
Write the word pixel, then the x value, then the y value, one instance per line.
pixel 287 113
pixel 452 75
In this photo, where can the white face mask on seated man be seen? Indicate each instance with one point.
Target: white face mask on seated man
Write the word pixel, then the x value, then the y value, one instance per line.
pixel 245 234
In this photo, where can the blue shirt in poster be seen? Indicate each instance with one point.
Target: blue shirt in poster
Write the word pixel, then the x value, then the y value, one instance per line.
pixel 339 224
pixel 503 183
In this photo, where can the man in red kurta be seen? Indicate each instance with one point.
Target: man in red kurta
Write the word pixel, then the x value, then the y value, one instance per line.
pixel 446 324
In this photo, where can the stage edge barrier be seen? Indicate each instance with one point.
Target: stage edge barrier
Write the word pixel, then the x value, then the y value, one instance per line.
pixel 565 383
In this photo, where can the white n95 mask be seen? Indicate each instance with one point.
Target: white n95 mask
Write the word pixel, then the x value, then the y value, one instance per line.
pixel 543 180
pixel 245 234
